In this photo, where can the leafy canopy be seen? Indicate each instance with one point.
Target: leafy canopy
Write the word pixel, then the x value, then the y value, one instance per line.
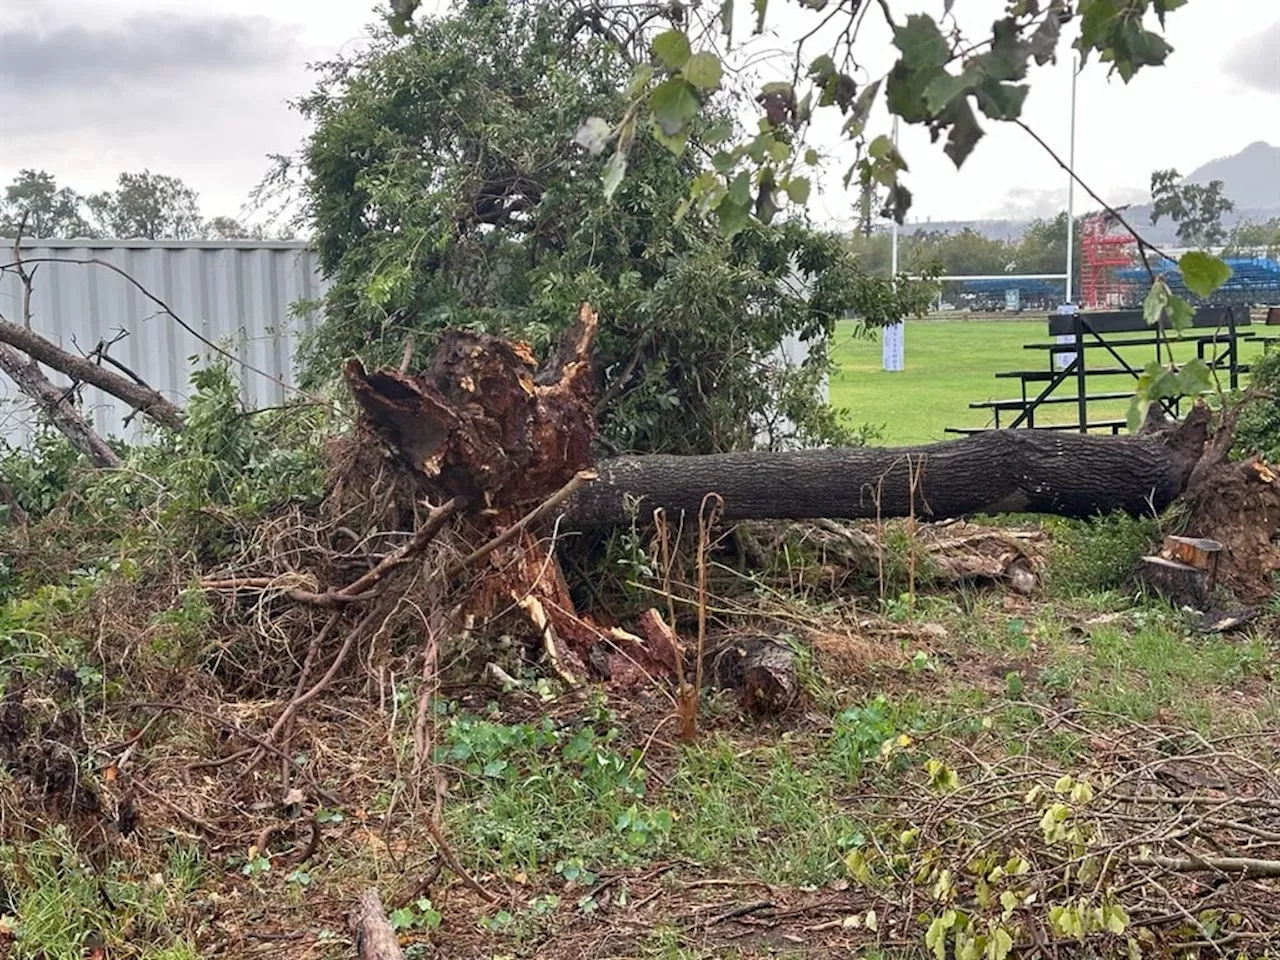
pixel 453 181
pixel 941 79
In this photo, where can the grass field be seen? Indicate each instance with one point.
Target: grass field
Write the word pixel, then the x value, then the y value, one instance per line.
pixel 952 363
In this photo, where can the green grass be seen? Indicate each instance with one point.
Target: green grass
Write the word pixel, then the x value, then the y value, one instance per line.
pixel 952 363
pixel 63 904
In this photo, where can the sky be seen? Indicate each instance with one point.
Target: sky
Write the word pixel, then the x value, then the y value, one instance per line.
pixel 200 89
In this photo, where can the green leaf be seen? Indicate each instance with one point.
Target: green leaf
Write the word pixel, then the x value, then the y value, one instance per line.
pixel 1007 58
pixel 944 88
pixel 1194 378
pixel 811 157
pixel 921 42
pixel 935 938
pixel 1115 919
pixel 672 48
pixel 1158 382
pixel 718 133
pixel 1180 313
pixel 401 919
pixel 1157 300
pixel 723 162
pixel 740 189
pixel 1044 42
pixel 880 147
pixel 704 71
pixel 1000 944
pixel 676 143
pixel 822 66
pixel 732 215
pixel 614 171
pixel 674 103
pixel 640 79
pixel 1002 101
pixel 798 190
pixel 1203 273
pixel 965 132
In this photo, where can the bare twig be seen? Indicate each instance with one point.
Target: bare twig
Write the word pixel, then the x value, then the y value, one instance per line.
pixel 1235 867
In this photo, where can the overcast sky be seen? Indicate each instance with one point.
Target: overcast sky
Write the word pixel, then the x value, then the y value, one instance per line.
pixel 200 89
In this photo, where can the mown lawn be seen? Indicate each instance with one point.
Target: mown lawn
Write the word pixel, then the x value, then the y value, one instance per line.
pixel 950 364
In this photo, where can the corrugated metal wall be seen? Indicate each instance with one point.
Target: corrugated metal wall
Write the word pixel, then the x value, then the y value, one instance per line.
pixel 237 294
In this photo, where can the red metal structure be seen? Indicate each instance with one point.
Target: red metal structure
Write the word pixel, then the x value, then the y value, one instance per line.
pixel 1101 254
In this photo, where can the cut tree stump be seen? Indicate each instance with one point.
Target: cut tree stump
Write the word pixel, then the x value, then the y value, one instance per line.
pixel 1199 552
pixel 1181 584
pixel 374 938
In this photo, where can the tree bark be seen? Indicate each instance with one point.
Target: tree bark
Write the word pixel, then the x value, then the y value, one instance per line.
pixel 139 396
pixel 1007 471
pixel 375 940
pixel 53 401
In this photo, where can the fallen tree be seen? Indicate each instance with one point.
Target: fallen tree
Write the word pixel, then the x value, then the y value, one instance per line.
pixel 485 424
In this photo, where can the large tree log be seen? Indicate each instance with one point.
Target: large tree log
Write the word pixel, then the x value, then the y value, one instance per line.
pixel 1005 471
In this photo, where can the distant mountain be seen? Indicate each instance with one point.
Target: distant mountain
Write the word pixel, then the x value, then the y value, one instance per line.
pixel 1251 177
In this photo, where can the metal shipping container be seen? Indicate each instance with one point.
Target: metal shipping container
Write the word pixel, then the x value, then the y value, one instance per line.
pixel 238 294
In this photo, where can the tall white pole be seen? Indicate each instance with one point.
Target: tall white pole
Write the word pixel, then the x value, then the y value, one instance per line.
pixel 893 227
pixel 892 338
pixel 1071 185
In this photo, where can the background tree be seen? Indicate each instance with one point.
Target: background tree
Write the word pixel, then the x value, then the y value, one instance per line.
pixel 452 183
pixel 1255 239
pixel 50 210
pixel 1196 208
pixel 148 206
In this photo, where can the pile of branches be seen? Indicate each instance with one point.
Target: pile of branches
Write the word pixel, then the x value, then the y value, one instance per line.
pixel 1169 839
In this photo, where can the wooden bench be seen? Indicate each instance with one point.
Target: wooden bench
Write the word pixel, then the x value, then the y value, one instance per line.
pixel 1115 426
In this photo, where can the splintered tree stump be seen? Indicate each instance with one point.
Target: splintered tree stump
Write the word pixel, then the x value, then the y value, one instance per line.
pixel 374 938
pixel 761 669
pixel 1179 583
pixel 1199 552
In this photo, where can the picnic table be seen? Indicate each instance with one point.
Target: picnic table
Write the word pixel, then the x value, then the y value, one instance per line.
pixel 1089 345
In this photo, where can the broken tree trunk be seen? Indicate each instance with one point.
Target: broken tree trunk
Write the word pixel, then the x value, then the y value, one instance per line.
pixel 138 395
pixel 1001 471
pixel 56 406
pixel 1180 584
pixel 484 423
pixel 374 938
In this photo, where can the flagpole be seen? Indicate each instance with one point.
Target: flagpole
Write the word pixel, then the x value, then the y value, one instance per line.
pixel 893 345
pixel 1071 186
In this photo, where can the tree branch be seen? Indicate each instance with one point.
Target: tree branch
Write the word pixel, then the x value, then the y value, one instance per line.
pixel 140 397
pixel 53 401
